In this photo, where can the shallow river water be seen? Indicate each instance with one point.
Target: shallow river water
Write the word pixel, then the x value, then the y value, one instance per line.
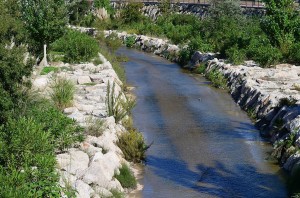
pixel 204 144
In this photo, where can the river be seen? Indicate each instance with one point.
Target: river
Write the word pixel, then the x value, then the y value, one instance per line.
pixel 204 144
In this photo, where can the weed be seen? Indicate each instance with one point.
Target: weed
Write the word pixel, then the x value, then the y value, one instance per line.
pixel 97 61
pixel 129 41
pixel 133 145
pixel 217 79
pixel 200 69
pixel 116 194
pixel 62 92
pixel 94 126
pixel 251 114
pixel 287 102
pixel 117 106
pixel 126 177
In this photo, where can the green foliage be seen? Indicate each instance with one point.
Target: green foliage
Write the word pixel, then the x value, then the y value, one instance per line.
pixel 113 42
pixel 217 79
pixel 104 4
pixel 79 13
pixel 64 130
pixel 45 21
pixel 132 145
pixel 165 7
pixel 126 177
pixel 281 23
pixel 63 91
pixel 295 53
pixel 47 70
pixel 116 194
pixel 200 69
pixel 27 162
pixel 95 126
pixel 76 47
pixel 235 55
pixel 130 41
pixel 131 13
pixel 118 106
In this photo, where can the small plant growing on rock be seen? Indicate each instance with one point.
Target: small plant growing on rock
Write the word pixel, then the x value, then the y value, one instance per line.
pixel 217 79
pixel 117 106
pixel 62 93
pixel 94 126
pixel 129 41
pixel 126 177
pixel 133 145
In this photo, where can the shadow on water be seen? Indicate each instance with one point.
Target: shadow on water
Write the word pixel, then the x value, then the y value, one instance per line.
pixel 217 180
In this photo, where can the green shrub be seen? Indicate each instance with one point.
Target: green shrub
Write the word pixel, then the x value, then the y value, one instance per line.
pixel 63 91
pixel 116 194
pixel 118 107
pixel 261 51
pixel 217 79
pixel 235 55
pixel 200 69
pixel 27 162
pixel 126 177
pixel 47 70
pixel 132 145
pixel 113 42
pixel 131 13
pixel 64 130
pixel 295 53
pixel 129 41
pixel 95 126
pixel 76 47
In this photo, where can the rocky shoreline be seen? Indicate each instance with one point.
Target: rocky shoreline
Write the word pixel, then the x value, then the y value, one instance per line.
pixel 90 166
pixel 271 95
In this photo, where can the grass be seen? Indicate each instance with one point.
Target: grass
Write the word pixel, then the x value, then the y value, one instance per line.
pixel 200 69
pixel 133 145
pixel 95 126
pixel 118 107
pixel 47 70
pixel 217 78
pixel 116 194
pixel 63 91
pixel 126 177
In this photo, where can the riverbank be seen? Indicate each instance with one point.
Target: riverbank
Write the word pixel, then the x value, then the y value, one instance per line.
pixel 90 167
pixel 270 95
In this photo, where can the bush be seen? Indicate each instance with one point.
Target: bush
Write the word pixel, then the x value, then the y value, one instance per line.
pixel 94 126
pixel 261 51
pixel 200 69
pixel 131 13
pixel 27 162
pixel 62 93
pixel 118 107
pixel 217 79
pixel 77 47
pixel 126 177
pixel 130 41
pixel 235 55
pixel 132 145
pixel 295 53
pixel 64 130
pixel 113 42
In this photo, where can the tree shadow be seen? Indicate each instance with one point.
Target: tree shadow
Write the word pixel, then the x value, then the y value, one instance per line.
pixel 220 180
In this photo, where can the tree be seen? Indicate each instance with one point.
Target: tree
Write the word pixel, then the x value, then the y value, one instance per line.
pixel 281 23
pixel 12 66
pixel 45 21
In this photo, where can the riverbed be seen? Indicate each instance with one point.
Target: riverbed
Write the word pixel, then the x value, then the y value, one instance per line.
pixel 204 145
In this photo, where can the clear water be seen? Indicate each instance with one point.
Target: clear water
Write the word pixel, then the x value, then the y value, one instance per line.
pixel 204 144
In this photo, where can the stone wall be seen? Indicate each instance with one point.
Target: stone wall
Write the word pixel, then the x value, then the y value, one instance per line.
pixel 89 167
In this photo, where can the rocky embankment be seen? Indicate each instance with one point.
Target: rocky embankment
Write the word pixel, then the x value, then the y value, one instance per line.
pixel 90 166
pixel 271 95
